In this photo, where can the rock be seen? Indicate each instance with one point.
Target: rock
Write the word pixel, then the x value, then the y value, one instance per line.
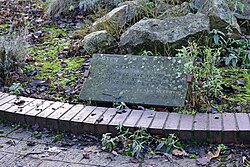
pixel 197 4
pixel 117 18
pixel 99 41
pixel 159 35
pixel 245 14
pixel 220 14
pixel 176 11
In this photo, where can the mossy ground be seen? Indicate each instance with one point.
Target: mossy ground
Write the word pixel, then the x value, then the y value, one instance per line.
pixel 238 98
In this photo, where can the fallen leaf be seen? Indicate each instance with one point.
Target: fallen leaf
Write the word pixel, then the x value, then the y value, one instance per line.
pixel 93 149
pixel 19 102
pixel 38 82
pixel 11 142
pixel 54 150
pixel 177 152
pixel 30 143
pixel 85 156
pixel 205 160
pixel 241 82
pixel 114 153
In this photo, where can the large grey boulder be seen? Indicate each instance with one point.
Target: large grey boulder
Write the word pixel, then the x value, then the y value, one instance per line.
pixel 160 35
pixel 99 42
pixel 117 18
pixel 245 14
pixel 220 14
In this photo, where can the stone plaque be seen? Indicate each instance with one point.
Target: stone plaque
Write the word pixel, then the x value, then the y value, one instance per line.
pixel 144 80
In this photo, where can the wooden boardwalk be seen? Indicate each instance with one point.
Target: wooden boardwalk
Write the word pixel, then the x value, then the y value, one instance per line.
pixel 217 128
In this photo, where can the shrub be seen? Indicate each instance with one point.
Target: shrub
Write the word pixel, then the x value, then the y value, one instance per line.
pixel 59 7
pixel 12 54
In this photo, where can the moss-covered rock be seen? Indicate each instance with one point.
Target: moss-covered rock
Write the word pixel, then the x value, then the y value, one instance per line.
pixel 99 42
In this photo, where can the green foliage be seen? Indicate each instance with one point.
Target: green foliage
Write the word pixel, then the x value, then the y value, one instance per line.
pixel 15 88
pixel 12 54
pixel 193 156
pixel 137 143
pixel 149 53
pixel 223 147
pixel 207 79
pixel 36 134
pixel 237 5
pixel 237 51
pixel 169 144
pixel 15 126
pixel 57 138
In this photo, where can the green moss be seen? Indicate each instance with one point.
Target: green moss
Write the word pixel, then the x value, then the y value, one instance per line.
pixel 4 26
pixel 236 99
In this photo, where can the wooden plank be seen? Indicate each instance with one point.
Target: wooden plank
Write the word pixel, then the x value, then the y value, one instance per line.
pixel 159 120
pixel 60 111
pixel 89 122
pixel 72 112
pixel 146 118
pixel 7 105
pixel 19 108
pixel 107 116
pixel 97 113
pixel 53 119
pixel 6 99
pixel 83 114
pixel 172 121
pixel 76 123
pixel 133 118
pixel 30 116
pixel 120 118
pixel 45 113
pixel 39 108
pixel 64 120
pixel 3 95
pixel 21 114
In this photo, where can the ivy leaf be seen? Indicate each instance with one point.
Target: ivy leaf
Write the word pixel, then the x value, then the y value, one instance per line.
pixel 216 39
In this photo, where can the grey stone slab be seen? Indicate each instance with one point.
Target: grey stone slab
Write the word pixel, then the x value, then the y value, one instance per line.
pixel 25 162
pixel 70 155
pixel 5 130
pixel 2 154
pixel 20 134
pixel 21 148
pixel 4 145
pixel 8 159
pixel 98 159
pixel 53 163
pixel 158 81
